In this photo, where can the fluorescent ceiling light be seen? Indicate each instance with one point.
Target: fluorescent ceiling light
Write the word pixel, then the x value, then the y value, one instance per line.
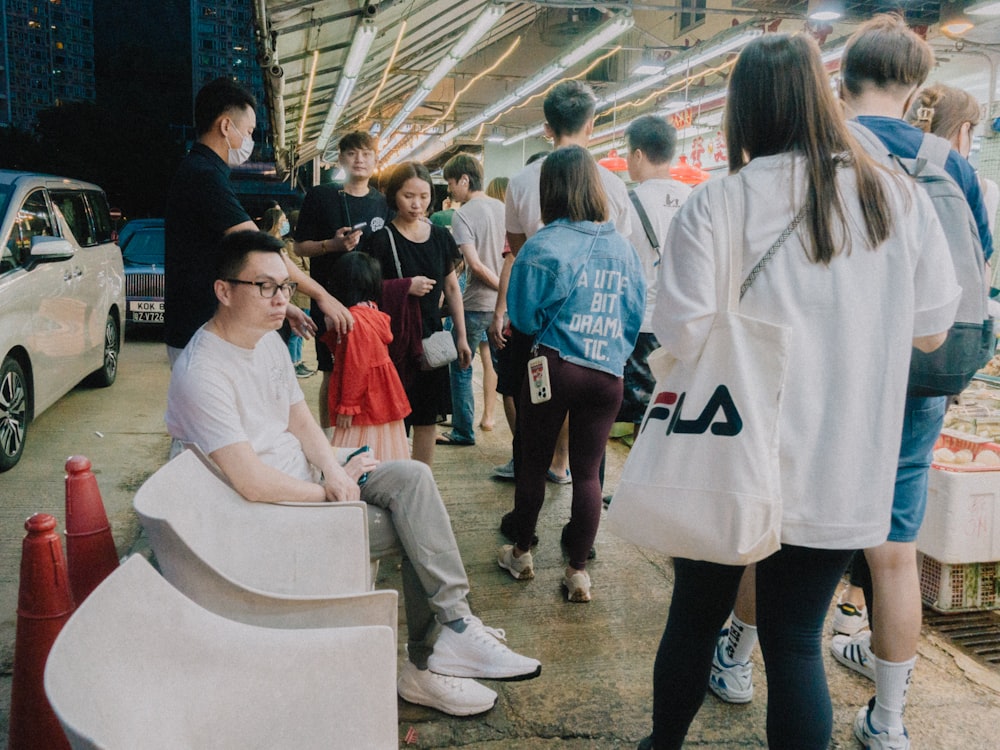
pixel 495 136
pixel 363 39
pixel 586 46
pixel 476 31
pixel 824 10
pixel 688 60
pixel 529 133
pixel 722 48
pixel 984 8
pixel 680 106
pixel 647 68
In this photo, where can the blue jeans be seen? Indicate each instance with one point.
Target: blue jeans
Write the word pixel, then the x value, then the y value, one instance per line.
pixel 463 403
pixel 922 422
pixel 295 348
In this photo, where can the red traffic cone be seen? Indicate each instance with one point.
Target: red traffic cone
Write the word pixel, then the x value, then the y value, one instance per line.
pixel 44 605
pixel 90 548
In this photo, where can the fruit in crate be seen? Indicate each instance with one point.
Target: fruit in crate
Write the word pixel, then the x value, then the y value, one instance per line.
pixel 993 366
pixel 987 458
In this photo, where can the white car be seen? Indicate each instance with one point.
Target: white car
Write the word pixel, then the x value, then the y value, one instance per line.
pixel 62 297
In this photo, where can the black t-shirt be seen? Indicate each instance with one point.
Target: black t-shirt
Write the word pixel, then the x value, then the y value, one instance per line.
pixel 326 209
pixel 201 206
pixel 435 258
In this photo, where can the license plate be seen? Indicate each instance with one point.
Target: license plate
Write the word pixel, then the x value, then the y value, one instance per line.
pixel 147 317
pixel 146 306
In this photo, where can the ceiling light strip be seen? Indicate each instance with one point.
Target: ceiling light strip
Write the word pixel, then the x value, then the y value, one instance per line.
pixel 598 38
pixel 385 73
pixel 363 39
pixel 476 31
pixel 309 90
pixel 690 60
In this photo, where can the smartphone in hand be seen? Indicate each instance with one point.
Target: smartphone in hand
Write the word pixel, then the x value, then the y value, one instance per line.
pixel 364 477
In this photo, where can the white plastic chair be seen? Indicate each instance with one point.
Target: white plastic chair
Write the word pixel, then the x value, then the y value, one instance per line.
pixel 140 665
pixel 272 565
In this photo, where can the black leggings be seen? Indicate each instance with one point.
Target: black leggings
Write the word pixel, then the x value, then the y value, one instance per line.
pixel 794 588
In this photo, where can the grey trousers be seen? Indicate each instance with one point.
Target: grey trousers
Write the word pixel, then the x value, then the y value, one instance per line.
pixel 405 509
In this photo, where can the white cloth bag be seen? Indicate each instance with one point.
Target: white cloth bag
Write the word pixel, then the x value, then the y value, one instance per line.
pixel 702 481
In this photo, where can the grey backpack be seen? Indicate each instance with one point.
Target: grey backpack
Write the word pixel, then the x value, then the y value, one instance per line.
pixel 947 370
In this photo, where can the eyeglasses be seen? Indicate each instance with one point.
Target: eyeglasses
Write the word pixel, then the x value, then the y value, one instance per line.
pixel 268 289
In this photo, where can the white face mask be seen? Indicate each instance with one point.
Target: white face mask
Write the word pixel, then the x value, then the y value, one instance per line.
pixel 239 155
pixel 285 228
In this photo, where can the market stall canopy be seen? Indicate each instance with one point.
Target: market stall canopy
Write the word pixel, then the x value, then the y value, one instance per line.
pixel 430 76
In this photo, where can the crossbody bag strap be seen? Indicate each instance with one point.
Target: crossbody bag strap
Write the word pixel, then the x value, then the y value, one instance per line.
pixel 572 291
pixel 647 227
pixel 788 231
pixel 728 238
pixel 395 255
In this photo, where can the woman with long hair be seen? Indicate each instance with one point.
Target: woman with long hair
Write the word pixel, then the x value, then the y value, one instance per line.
pixel 863 276
pixel 575 268
pixel 427 255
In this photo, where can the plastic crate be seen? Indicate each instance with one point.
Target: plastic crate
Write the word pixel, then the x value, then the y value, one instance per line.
pixel 965 587
pixel 956 442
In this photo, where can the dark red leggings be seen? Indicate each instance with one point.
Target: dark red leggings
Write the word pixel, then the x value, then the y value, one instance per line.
pixel 591 398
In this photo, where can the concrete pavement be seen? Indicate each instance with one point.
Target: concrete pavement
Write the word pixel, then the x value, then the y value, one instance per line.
pixel 595 687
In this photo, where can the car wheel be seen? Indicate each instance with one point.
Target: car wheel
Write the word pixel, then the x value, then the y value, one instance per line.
pixel 105 375
pixel 13 413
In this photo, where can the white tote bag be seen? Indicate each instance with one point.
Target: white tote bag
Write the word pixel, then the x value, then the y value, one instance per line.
pixel 702 480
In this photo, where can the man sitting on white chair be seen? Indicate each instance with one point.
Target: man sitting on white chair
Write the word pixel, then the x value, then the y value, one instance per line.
pixel 234 394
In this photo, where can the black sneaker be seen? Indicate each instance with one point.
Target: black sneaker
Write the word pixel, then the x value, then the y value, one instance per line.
pixel 508 529
pixel 562 539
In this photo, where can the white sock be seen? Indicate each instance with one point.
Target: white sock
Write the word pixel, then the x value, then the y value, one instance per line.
pixel 892 681
pixel 742 639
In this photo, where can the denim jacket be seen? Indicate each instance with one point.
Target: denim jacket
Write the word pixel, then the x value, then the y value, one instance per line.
pixel 579 288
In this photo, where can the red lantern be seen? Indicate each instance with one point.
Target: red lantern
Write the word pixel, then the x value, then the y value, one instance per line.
pixel 614 162
pixel 688 173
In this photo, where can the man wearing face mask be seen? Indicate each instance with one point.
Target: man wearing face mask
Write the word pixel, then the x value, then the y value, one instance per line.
pixel 202 207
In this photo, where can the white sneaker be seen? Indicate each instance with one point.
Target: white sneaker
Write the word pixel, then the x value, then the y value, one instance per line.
pixel 872 739
pixel 450 695
pixel 479 651
pixel 577 586
pixel 731 682
pixel 849 619
pixel 855 652
pixel 520 568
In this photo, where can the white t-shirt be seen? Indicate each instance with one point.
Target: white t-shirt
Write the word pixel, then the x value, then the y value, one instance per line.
pixel 852 326
pixel 662 199
pixel 221 394
pixel 480 223
pixel 524 207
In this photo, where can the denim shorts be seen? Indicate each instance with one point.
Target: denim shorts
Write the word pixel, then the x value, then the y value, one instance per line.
pixel 922 423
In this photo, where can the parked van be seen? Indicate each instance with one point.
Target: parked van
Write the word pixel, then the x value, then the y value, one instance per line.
pixel 62 297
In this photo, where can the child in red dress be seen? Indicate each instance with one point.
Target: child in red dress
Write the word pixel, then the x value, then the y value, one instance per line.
pixel 366 396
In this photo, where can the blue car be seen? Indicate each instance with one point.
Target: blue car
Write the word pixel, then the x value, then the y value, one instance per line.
pixel 144 277
pixel 128 231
